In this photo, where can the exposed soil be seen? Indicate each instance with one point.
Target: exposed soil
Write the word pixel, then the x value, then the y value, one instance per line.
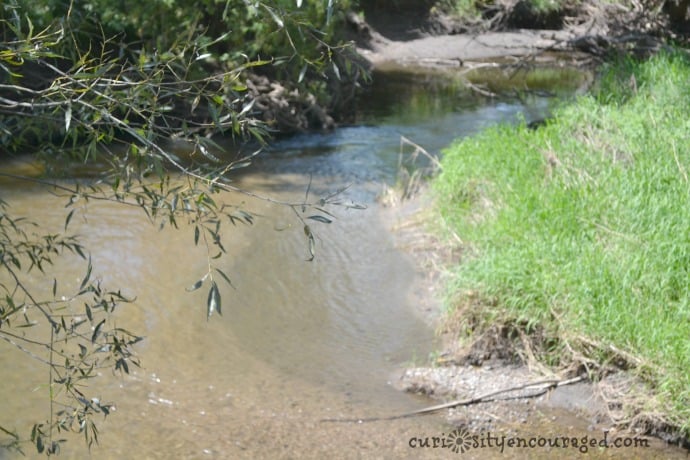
pixel 501 359
pixel 509 29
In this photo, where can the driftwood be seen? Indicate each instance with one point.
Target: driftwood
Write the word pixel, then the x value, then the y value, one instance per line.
pixel 541 387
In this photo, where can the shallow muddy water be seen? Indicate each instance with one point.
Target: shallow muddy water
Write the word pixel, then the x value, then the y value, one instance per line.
pixel 298 341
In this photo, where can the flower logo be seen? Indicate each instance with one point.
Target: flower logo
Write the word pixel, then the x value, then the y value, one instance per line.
pixel 459 441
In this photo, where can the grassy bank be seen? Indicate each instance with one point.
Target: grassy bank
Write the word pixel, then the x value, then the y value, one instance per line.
pixel 579 232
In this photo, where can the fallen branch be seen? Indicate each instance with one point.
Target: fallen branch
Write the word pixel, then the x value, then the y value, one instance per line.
pixel 541 388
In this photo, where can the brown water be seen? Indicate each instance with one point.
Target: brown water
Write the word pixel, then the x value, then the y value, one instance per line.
pixel 298 341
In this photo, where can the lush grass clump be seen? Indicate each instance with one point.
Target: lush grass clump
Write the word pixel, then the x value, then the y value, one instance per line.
pixel 582 227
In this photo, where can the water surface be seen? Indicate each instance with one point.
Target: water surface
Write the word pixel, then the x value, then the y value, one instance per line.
pixel 298 341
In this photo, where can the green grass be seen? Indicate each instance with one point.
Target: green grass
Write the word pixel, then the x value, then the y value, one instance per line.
pixel 582 228
pixel 546 6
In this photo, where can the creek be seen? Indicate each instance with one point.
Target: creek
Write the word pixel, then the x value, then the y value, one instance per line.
pixel 298 341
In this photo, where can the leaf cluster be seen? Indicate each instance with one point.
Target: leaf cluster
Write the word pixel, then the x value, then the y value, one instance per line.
pixel 76 76
pixel 57 106
pixel 72 334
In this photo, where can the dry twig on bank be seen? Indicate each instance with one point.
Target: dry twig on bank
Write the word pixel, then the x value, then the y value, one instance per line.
pixel 541 387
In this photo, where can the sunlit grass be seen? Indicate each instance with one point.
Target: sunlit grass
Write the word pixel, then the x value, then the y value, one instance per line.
pixel 583 226
pixel 462 8
pixel 546 6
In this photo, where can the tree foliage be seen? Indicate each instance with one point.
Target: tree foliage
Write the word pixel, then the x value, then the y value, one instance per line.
pixel 72 65
pixel 111 84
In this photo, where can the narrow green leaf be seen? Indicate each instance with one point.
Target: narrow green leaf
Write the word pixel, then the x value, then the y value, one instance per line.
pixel 302 73
pixel 257 63
pixel 39 444
pixel 196 235
pixel 224 16
pixel 329 12
pixel 214 113
pixel 78 249
pixel 241 164
pixel 322 219
pixel 196 285
pixel 275 16
pixel 195 103
pixel 213 301
pixel 247 107
pixel 4 430
pixel 225 277
pixel 31 27
pixel 97 331
pixel 94 433
pixel 68 117
pixel 122 364
pixel 87 277
pixel 205 152
pixel 208 200
pixel 69 218
pixel 88 313
pixel 310 237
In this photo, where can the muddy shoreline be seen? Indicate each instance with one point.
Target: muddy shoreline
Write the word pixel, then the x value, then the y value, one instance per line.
pixel 462 371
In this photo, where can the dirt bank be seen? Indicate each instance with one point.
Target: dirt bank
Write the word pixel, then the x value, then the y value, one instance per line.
pixel 458 50
pixel 486 376
pixel 429 37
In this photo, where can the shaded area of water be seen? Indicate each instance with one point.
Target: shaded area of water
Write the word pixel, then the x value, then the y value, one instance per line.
pixel 298 341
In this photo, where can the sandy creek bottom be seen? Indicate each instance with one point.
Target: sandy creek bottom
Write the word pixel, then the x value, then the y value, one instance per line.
pixel 298 341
